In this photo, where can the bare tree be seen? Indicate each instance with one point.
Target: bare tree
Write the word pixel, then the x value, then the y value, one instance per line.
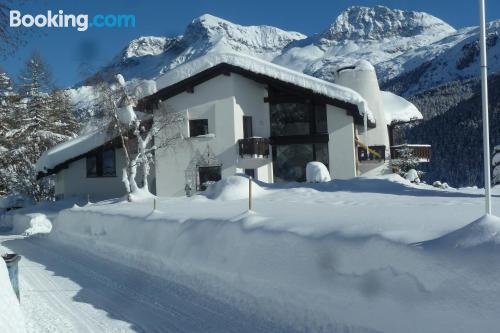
pixel 140 134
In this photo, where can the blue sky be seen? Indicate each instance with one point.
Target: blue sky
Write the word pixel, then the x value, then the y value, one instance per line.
pixel 66 49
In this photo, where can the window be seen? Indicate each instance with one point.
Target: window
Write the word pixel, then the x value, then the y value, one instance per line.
pixel 290 161
pixel 92 166
pixel 198 127
pixel 321 125
pixel 108 163
pixel 208 175
pixel 290 119
pixel 102 163
pixel 247 127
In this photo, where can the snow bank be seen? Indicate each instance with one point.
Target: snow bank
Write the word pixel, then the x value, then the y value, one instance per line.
pixel 322 257
pixel 263 67
pixel 319 282
pixel 316 172
pixel 233 188
pixel 398 109
pixel 28 224
pixel 484 231
pixel 11 317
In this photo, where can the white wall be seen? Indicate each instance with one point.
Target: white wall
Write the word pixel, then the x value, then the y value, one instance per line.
pixel 249 101
pixel 364 81
pixel 222 100
pixel 73 181
pixel 342 154
pixel 213 100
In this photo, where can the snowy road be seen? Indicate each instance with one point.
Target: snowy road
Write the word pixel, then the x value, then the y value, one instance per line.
pixel 66 290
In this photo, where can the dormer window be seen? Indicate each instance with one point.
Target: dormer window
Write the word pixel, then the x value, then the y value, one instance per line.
pixel 198 127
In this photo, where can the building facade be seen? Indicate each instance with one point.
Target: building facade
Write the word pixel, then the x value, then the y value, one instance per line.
pixel 244 115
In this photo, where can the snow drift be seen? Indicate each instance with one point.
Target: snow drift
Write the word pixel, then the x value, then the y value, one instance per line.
pixel 484 231
pixel 233 188
pixel 27 224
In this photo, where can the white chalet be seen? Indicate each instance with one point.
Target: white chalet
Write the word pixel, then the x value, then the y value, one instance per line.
pixel 246 115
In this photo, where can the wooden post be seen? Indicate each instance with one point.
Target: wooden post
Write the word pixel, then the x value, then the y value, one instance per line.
pixel 154 203
pixel 250 193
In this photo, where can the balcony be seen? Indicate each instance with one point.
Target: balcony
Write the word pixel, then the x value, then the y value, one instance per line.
pixel 253 152
pixel 422 152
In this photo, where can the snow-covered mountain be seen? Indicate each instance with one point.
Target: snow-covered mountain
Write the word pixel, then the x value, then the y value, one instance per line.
pixel 455 57
pixel 376 34
pixel 411 51
pixel 149 57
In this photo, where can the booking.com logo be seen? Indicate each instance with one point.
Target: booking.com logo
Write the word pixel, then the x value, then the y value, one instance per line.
pixel 61 20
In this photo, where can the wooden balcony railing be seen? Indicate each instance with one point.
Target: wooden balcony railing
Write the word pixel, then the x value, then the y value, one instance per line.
pixel 422 152
pixel 254 146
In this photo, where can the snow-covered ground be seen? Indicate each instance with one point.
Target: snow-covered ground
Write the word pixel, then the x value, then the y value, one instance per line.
pixel 341 256
pixel 64 289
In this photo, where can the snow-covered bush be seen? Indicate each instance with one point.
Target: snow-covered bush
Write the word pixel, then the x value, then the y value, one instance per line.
pixel 317 172
pixel 412 176
pixel 406 162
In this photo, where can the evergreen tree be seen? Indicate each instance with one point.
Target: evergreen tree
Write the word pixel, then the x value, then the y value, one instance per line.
pixel 6 98
pixel 62 119
pixel 405 161
pixel 35 86
pixel 6 111
pixel 40 117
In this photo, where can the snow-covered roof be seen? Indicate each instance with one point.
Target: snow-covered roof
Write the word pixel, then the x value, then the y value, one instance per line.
pixel 71 149
pixel 262 67
pixel 398 109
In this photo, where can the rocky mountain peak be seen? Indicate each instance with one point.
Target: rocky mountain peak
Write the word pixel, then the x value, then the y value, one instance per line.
pixel 145 46
pixel 376 23
pixel 208 30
